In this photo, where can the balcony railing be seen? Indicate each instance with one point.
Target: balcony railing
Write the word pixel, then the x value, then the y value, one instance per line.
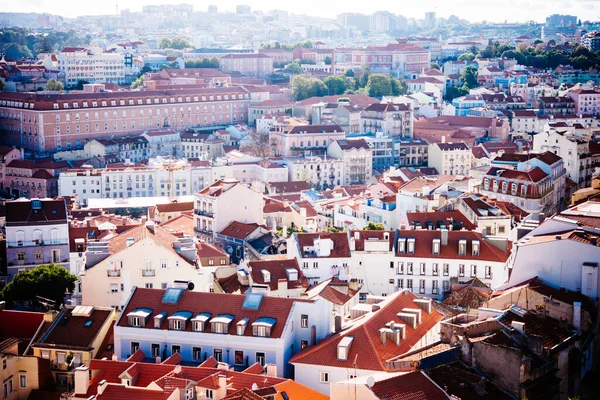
pixel 36 243
pixel 113 273
pixel 148 272
pixel 205 213
pixel 205 231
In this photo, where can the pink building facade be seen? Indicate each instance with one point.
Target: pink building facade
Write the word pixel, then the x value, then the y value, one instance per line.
pixel 48 123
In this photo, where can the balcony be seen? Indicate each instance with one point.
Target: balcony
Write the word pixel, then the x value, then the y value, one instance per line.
pixel 331 176
pixel 36 243
pixel 148 272
pixel 113 273
pixel 204 231
pixel 205 213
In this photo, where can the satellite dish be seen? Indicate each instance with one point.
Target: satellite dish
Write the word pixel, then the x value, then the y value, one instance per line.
pixel 191 286
pixel 370 381
pixel 230 250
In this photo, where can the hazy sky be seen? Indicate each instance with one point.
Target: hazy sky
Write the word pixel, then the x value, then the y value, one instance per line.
pixel 491 10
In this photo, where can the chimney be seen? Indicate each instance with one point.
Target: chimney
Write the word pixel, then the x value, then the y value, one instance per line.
pixel 150 226
pixel 577 315
pixel 424 304
pixel 271 370
pixel 222 391
pixel 383 335
pixel 353 284
pixel 541 217
pixel 101 387
pixel 313 335
pixel 444 236
pixel 415 311
pixel 410 319
pixel 82 380
pixel 338 323
pixel 282 285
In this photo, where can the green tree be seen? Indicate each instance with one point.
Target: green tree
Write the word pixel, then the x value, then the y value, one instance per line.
pixel 537 41
pixel 379 85
pixel 303 88
pixel 80 83
pixel 469 77
pixel 399 86
pixel 364 78
pixel 454 92
pixel 552 43
pixel 336 84
pixel 44 46
pixel 139 82
pixel 434 66
pixel 327 60
pixel 371 226
pixel 349 73
pixel 466 57
pixel 54 85
pixel 50 281
pixel 294 68
pixel 175 43
pixel 145 69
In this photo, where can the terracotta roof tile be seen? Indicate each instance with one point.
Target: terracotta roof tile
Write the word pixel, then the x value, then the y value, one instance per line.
pixel 412 386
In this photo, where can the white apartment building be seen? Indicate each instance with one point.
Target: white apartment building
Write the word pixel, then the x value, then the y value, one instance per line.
pixel 450 158
pixel 160 177
pixel 92 65
pixel 320 255
pixel 319 171
pixel 301 140
pixel 225 201
pixel 147 257
pixel 357 158
pixel 574 150
pixel 425 261
pixel 395 120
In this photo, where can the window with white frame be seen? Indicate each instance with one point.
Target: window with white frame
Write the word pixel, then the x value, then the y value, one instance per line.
pixel 400 270
pixel 409 268
pixel 324 377
pixel 488 271
pixel 473 270
pixel 461 270
pixel 435 269
pixel 422 269
pixel 446 269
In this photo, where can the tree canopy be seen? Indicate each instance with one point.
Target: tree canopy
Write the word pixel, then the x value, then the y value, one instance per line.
pixel 17 43
pixel 337 84
pixel 174 43
pixel 50 281
pixel 303 88
pixel 469 77
pixel 382 85
pixel 294 68
pixel 371 226
pixel 202 63
pixel 54 85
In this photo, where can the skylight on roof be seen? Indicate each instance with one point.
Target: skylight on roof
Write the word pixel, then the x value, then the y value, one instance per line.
pixel 252 301
pixel 172 295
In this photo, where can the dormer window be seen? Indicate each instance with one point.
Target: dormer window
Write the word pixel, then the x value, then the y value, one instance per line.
pixel 138 317
pixel 524 191
pixel 221 323
pixel 135 321
pixel 401 245
pixel 475 248
pixel 343 348
pixel 241 327
pixel 199 322
pixel 436 246
pixel 504 186
pixel 262 327
pixel 462 247
pixel 411 246
pixel 178 320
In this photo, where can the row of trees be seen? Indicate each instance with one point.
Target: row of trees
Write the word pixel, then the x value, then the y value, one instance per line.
pixel 374 85
pixel 307 45
pixel 202 63
pixel 17 43
pixel 174 43
pixel 47 281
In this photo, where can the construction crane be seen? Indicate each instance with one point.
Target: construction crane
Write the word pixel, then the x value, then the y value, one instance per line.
pixel 171 167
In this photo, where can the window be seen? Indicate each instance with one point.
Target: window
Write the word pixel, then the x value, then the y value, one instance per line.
pixel 209 394
pixel 462 247
pixel 260 358
pixel 422 286
pixel 175 349
pixel 400 270
pixel 114 287
pixel 135 346
pixel 409 284
pixel 303 344
pixel 304 321
pixel 461 270
pixel 446 286
pixel 409 268
pixel 488 272
pixel 163 264
pixel 400 284
pixel 434 287
pixel 435 269
pixel 22 381
pixel 8 387
pixel 155 349
pixel 473 271
pixel 391 281
pixel 411 245
pixel 324 377
pixel 218 355
pixel 197 353
pixel 446 269
pixel 239 357
pixel 475 249
pixel 149 285
pixel 422 269
pixel 4 363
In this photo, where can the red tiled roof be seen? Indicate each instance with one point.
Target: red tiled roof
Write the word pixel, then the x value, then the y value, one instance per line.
pixel 239 230
pixel 367 352
pixel 20 212
pixel 277 270
pixel 424 243
pixel 412 386
pixel 341 247
pixel 175 207
pixel 213 303
pixel 71 331
pixel 444 216
pixel 19 324
pixel 289 187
